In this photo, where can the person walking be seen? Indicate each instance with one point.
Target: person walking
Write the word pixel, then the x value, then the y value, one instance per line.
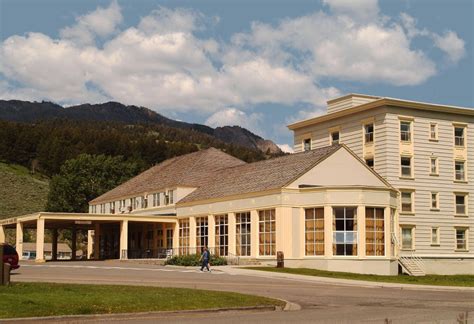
pixel 205 256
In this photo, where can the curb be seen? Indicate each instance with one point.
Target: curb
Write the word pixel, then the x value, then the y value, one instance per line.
pixel 348 282
pixel 146 314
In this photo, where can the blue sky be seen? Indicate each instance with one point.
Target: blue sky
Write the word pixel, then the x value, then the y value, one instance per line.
pixel 258 64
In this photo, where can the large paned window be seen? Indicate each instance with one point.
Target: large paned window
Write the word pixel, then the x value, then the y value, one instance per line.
pixel 169 238
pixel 222 235
pixel 407 238
pixel 461 239
pixel 202 231
pixel 184 236
pixel 459 136
pixel 374 232
pixel 407 201
pixel 242 233
pixel 266 232
pixel 345 231
pixel 369 133
pixel 459 168
pixel 314 231
pixel 405 131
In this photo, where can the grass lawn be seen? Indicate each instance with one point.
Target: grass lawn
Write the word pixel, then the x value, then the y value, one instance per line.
pixel 45 299
pixel 436 280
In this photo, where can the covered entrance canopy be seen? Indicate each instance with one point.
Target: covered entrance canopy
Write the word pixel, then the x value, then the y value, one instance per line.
pixel 109 235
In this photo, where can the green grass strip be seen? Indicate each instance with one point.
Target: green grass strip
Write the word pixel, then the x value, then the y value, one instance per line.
pixel 435 280
pixel 45 299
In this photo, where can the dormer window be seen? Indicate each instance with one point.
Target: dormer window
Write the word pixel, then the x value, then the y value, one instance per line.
pixel 459 136
pixel 335 137
pixel 307 144
pixel 369 133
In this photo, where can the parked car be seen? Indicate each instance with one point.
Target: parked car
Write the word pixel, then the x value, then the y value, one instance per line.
pixel 10 256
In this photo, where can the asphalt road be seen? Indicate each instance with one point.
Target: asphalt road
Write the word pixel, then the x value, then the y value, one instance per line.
pixel 320 302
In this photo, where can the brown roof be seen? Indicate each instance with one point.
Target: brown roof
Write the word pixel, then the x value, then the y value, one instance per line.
pixel 260 176
pixel 191 170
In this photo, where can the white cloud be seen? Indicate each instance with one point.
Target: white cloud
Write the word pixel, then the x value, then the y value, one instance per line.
pixel 451 44
pixel 163 64
pixel 101 22
pixel 360 9
pixel 235 117
pixel 286 148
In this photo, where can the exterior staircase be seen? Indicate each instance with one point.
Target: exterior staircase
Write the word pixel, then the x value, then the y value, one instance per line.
pixel 412 264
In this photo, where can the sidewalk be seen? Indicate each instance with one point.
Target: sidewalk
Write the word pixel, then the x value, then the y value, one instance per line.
pixel 233 270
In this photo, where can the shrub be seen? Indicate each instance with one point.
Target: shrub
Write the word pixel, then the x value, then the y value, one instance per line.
pixel 193 260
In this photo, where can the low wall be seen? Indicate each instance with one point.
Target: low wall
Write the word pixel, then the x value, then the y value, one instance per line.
pixel 449 266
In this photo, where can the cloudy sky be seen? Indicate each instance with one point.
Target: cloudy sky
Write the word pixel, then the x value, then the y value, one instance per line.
pixel 258 64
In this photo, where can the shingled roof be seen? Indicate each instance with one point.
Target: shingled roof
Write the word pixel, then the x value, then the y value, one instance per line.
pixel 191 170
pixel 259 176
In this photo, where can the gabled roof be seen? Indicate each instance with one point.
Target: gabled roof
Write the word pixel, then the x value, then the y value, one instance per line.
pixel 190 170
pixel 260 176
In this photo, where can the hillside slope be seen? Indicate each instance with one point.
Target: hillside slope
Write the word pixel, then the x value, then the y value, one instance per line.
pixel 30 112
pixel 20 192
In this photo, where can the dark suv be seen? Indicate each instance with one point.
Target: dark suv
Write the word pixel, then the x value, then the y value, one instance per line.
pixel 10 256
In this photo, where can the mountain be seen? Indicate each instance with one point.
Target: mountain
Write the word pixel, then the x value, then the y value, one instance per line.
pixel 29 112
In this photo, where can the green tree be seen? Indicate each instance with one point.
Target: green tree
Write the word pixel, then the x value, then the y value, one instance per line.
pixel 85 178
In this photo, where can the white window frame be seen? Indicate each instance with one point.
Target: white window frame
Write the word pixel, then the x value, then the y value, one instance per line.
pixel 466 238
pixel 435 159
pixel 412 198
pixel 338 137
pixel 314 242
pixel 307 140
pixel 371 135
pixel 430 135
pixel 466 199
pixel 412 234
pixel 410 176
pixel 458 139
pixel 436 194
pixel 267 221
pixel 463 171
pixel 409 132
pixel 435 242
pixel 353 233
pixel 243 220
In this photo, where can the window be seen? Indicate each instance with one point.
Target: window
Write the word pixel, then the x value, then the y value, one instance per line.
pixel 222 235
pixel 433 166
pixel 335 138
pixel 169 238
pixel 345 231
pixel 202 231
pixel 434 200
pixel 314 231
pixel 166 198
pixel 406 169
pixel 460 174
pixel 307 144
pixel 461 239
pixel 242 233
pixel 374 232
pixel 266 232
pixel 459 136
pixel 170 196
pixel 435 235
pixel 433 131
pixel 102 208
pixel 156 199
pixel 112 207
pixel 369 133
pixel 405 131
pixel 407 238
pixel 407 201
pixel 144 202
pixel 184 236
pixel 370 162
pixel 460 204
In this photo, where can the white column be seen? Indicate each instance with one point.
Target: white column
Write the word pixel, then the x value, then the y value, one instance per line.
pixel 54 244
pixel 387 229
pixel 123 239
pixel 254 233
pixel 2 234
pixel 192 235
pixel 90 244
pixel 328 230
pixel 211 237
pixel 165 235
pixel 361 231
pixel 40 240
pixel 231 233
pixel 175 238
pixel 19 238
